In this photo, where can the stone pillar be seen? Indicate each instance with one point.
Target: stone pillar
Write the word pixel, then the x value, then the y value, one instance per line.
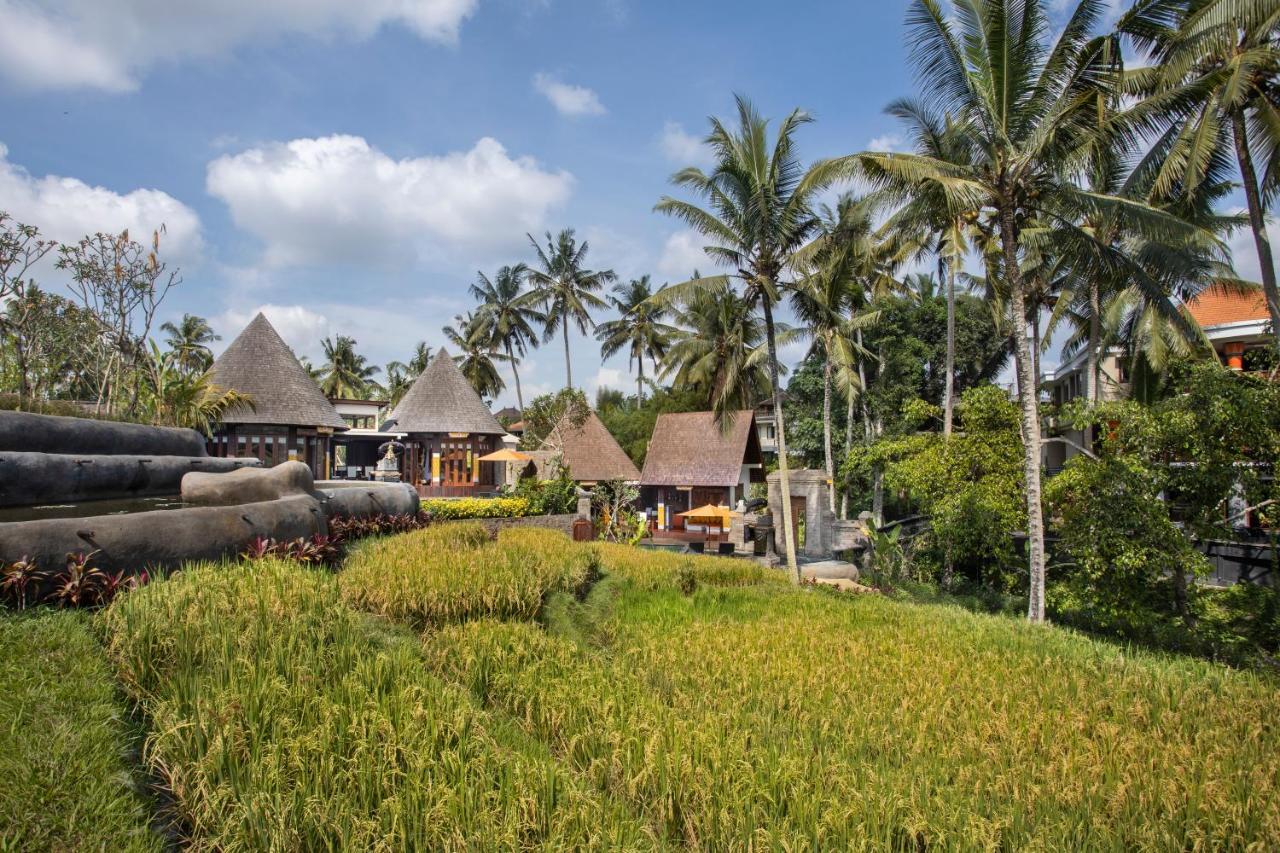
pixel 584 504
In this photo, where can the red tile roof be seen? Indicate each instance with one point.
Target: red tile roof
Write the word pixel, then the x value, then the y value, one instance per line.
pixel 1218 307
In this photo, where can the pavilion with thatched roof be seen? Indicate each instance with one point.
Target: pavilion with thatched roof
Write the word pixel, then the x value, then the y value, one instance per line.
pixel 587 448
pixel 693 462
pixel 449 428
pixel 290 419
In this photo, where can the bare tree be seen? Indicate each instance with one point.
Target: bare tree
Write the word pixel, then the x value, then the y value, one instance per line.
pixel 21 248
pixel 121 283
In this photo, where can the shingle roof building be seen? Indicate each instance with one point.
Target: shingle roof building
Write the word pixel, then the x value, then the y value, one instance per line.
pixel 441 400
pixel 691 449
pixel 259 363
pixel 590 451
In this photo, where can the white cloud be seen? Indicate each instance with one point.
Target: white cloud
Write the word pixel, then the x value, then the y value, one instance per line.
pixel 339 199
pixel 1244 252
pixel 885 143
pixel 682 254
pixel 606 377
pixel 568 99
pixel 67 209
pixel 62 44
pixel 301 328
pixel 681 147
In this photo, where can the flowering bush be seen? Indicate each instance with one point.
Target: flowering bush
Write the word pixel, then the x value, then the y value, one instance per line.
pixel 448 510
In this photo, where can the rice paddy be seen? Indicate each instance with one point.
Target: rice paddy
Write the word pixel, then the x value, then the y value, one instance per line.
pixel 444 690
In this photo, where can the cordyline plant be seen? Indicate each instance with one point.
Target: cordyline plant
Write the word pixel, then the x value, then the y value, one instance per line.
pixel 79 584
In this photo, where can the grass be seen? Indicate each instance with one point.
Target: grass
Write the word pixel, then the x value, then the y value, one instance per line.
pixel 430 577
pixel 284 720
pixel 65 773
pixel 448 691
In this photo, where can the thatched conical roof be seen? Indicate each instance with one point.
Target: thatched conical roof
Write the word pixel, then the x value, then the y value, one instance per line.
pixel 260 364
pixel 441 400
pixel 590 451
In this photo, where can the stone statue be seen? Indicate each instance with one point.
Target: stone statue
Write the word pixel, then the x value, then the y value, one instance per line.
pixel 388 470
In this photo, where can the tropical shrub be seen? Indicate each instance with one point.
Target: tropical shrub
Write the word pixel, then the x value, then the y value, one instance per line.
pixel 430 577
pixel 970 486
pixel 614 502
pixel 282 719
pixel 442 509
pixel 1119 553
pixel 78 584
pixel 556 496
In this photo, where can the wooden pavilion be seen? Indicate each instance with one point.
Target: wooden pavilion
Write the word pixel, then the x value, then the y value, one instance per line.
pixel 692 462
pixel 448 429
pixel 290 418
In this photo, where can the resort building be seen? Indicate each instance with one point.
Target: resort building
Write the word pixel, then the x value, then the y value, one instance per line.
pixel 588 449
pixel 290 418
pixel 767 428
pixel 447 428
pixel 356 452
pixel 1236 326
pixel 693 462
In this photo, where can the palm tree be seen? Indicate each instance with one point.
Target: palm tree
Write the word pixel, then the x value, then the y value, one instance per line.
pixel 719 348
pixel 828 302
pixel 759 213
pixel 400 376
pixel 507 315
pixel 1212 78
pixel 639 327
pixel 476 357
pixel 345 372
pixel 1029 110
pixel 566 288
pixel 189 340
pixel 931 223
pixel 184 399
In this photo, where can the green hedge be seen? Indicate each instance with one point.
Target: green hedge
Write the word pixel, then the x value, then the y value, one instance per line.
pixel 448 510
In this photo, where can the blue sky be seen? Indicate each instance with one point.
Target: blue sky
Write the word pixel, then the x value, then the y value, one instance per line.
pixel 349 165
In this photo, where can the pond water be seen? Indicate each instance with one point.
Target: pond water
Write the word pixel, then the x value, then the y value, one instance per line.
pixel 85 509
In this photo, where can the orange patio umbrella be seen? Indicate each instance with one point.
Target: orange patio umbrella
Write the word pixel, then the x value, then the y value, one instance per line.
pixel 505 455
pixel 709 514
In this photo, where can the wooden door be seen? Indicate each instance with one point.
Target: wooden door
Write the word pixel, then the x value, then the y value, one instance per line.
pixel 453 467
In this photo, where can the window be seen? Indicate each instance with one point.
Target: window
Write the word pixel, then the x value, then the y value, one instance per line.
pixel 360 421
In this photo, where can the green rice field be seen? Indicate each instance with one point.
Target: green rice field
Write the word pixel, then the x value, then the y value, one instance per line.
pixel 444 691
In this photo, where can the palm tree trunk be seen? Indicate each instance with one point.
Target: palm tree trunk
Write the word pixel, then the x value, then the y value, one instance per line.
pixel 848 448
pixel 1094 357
pixel 640 382
pixel 784 473
pixel 862 380
pixel 568 371
pixel 826 431
pixel 948 397
pixel 1027 397
pixel 1257 222
pixel 515 373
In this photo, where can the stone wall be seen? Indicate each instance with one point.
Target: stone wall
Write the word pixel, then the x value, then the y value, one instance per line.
pixel 562 523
